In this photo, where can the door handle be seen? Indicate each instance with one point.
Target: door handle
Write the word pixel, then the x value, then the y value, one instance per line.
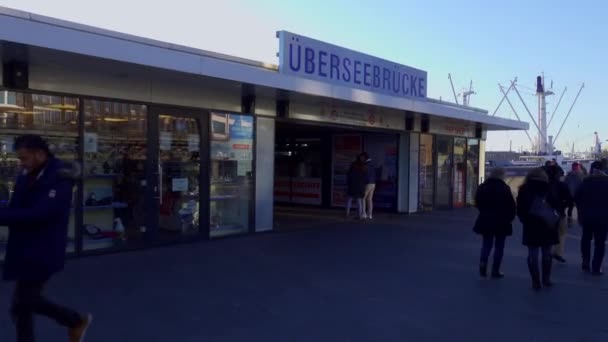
pixel 160 183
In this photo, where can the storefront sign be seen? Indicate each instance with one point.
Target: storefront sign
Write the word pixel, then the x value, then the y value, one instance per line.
pixel 299 190
pixel 452 127
pixel 310 58
pixel 375 118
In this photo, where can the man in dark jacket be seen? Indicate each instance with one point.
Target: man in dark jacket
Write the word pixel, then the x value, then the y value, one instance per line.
pixel 573 181
pixel 496 206
pixel 38 216
pixel 593 216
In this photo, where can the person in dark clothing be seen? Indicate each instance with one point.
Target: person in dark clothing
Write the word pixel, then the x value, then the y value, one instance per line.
pixel 538 236
pixel 497 210
pixel 573 181
pixel 370 186
pixel 593 216
pixel 38 216
pixel 355 187
pixel 560 199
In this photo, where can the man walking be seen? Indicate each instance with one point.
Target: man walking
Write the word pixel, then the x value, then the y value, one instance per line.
pixel 573 181
pixel 593 216
pixel 38 216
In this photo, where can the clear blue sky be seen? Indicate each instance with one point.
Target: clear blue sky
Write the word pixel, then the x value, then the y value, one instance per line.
pixel 486 41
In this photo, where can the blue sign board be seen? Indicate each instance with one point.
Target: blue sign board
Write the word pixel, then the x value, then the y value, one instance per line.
pixel 313 59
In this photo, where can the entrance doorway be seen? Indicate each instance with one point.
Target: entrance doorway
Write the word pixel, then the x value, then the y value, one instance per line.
pixel 177 173
pixel 312 162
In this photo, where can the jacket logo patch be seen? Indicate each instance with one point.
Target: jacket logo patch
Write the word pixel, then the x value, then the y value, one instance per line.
pixel 52 194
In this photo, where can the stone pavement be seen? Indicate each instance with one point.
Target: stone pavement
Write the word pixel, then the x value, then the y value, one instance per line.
pixel 397 279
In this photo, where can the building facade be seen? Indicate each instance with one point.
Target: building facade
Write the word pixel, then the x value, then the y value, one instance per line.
pixel 179 144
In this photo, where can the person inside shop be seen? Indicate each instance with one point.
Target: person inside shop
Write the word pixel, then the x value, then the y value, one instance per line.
pixel 370 186
pixel 355 186
pixel 497 210
pixel 37 216
pixel 540 222
pixel 593 216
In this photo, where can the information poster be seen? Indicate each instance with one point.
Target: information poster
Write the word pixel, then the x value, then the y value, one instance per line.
pixel 90 142
pixel 238 143
pixel 166 140
pixel 346 148
pixel 193 142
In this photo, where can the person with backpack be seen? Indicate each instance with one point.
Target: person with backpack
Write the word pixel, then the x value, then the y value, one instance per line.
pixel 497 210
pixel 540 222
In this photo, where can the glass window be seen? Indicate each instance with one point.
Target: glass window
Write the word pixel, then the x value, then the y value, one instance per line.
pixel 459 172
pixel 179 167
pixel 231 173
pixel 115 174
pixel 55 118
pixel 427 172
pixel 472 170
pixel 443 182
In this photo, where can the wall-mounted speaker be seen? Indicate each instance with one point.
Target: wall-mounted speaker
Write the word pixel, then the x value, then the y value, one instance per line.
pixel 15 75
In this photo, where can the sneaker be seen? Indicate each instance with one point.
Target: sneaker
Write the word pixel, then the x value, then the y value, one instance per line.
pixel 559 258
pixel 77 334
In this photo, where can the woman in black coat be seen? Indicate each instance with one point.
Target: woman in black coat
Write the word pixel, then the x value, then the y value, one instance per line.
pixel 355 186
pixel 496 206
pixel 538 235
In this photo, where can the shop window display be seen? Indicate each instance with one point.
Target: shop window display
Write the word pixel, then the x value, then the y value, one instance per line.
pixel 55 118
pixel 231 173
pixel 114 168
pixel 459 173
pixel 179 171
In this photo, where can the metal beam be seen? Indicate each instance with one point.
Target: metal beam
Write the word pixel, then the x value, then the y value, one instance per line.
pixel 527 110
pixel 453 90
pixel 556 107
pixel 514 111
pixel 503 99
pixel 570 111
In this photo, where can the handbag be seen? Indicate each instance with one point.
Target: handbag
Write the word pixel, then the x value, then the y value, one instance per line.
pixel 543 211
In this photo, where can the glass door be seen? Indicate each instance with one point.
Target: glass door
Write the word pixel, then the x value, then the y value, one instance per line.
pixel 443 173
pixel 178 181
pixel 427 172
pixel 459 172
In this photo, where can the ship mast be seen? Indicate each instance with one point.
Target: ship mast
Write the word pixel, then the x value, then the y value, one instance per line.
pixel 544 143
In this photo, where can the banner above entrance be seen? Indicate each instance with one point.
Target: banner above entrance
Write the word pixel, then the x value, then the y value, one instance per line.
pixel 452 127
pixel 310 58
pixel 348 115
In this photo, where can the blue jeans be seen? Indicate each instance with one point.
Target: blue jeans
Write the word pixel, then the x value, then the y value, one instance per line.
pixel 496 242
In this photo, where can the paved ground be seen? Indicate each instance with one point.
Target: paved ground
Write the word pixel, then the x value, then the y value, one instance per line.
pixel 398 279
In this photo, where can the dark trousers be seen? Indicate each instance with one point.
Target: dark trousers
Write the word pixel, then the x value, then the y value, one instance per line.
pixel 28 300
pixel 544 251
pixel 598 234
pixel 496 242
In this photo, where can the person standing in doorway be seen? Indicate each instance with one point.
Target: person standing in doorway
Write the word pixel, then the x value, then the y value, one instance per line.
pixel 38 215
pixel 559 198
pixel 538 234
pixel 370 186
pixel 497 207
pixel 355 187
pixel 593 216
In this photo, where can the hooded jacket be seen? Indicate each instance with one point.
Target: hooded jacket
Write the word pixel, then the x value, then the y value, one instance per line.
pixel 591 201
pixel 38 215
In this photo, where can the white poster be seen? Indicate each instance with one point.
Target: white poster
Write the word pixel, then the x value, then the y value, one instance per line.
pixel 166 139
pixel 193 142
pixel 179 184
pixel 90 142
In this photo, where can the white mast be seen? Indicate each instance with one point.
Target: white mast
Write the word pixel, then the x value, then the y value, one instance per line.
pixel 543 145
